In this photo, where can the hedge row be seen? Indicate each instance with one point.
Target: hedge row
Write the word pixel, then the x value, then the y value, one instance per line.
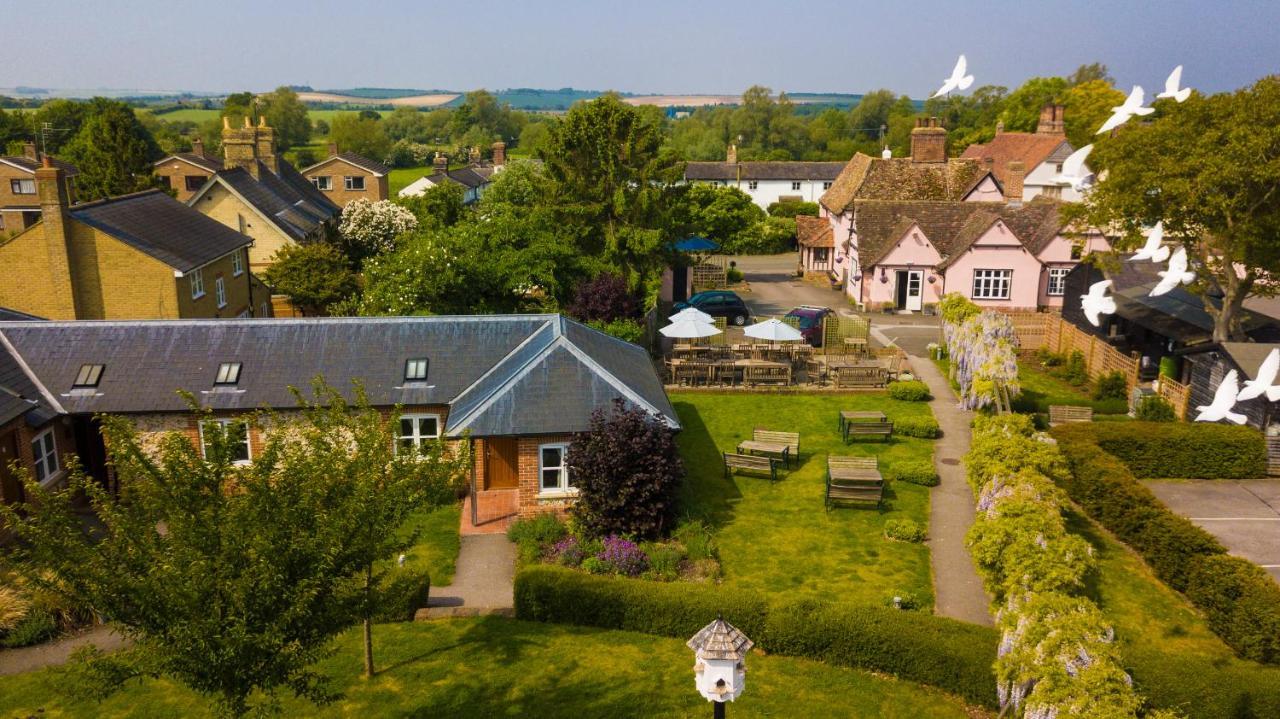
pixel 941 652
pixel 1037 404
pixel 1240 600
pixel 1186 449
pixel 403 592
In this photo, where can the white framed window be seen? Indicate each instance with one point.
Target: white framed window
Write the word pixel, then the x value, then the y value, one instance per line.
pixel 1057 281
pixel 44 449
pixel 323 182
pixel 355 183
pixel 553 471
pixel 795 186
pixel 826 185
pixel 237 438
pixel 237 263
pixel 418 429
pixel 751 185
pixel 992 284
pixel 22 187
pixel 220 291
pixel 197 284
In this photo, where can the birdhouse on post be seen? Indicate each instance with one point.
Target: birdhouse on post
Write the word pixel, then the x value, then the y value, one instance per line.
pixel 720 669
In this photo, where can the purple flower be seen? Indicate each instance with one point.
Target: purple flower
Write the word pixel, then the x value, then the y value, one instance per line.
pixel 568 552
pixel 624 556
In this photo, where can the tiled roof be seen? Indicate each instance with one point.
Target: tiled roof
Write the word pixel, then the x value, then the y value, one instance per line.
pixel 733 171
pixel 814 231
pixel 352 158
pixel 19 396
pixel 30 165
pixel 465 176
pixel 500 374
pixel 161 227
pixel 1027 147
pixel 296 207
pixel 204 162
pixel 901 178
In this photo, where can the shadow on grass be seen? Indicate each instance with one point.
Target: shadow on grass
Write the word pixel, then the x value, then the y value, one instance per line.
pixel 706 494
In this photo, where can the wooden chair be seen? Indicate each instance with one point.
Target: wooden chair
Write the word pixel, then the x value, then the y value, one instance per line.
pixel 791 439
pixel 1063 414
pixel 724 373
pixel 884 430
pixel 750 463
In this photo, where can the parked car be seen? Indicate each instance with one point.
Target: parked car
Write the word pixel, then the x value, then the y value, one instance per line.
pixel 810 321
pixel 719 303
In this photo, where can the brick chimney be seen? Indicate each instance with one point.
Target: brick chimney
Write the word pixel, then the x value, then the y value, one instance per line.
pixel 1051 122
pixel 473 155
pixel 1013 182
pixel 29 151
pixel 333 149
pixel 197 147
pixel 265 137
pixel 51 187
pixel 240 146
pixel 731 156
pixel 928 141
pixel 499 153
pixel 440 163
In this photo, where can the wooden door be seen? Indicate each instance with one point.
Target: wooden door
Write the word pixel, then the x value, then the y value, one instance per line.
pixel 10 485
pixel 502 462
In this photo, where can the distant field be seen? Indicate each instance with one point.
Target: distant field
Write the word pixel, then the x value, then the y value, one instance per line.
pixel 435 100
pixel 190 115
pixel 328 115
pixel 402 177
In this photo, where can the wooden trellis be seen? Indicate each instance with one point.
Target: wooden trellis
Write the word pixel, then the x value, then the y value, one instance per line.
pixel 710 275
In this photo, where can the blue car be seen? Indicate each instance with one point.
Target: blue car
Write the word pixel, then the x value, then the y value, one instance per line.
pixel 719 303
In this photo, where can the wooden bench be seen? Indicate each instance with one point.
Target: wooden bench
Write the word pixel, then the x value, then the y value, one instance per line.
pixel 791 439
pixel 860 377
pixel 853 479
pixel 1062 414
pixel 751 463
pixel 884 430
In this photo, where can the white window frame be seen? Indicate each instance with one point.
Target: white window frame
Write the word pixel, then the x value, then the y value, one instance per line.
pixel 220 291
pixel 22 187
pixel 348 181
pixel 1060 273
pixel 196 278
pixel 562 488
pixel 416 438
pixel 265 310
pixel 248 445
pixel 826 185
pixel 987 282
pixel 44 451
pixel 237 264
pixel 324 183
pixel 795 186
pixel 752 184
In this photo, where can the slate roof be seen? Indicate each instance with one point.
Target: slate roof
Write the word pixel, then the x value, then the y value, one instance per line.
pixel 19 396
pixel 900 178
pixel 161 227
pixel 1028 147
pixel 352 158
pixel 8 315
pixel 204 162
pixel 289 200
pixel 500 374
pixel 468 177
pixel 785 170
pixel 26 163
pixel 1248 356
pixel 814 231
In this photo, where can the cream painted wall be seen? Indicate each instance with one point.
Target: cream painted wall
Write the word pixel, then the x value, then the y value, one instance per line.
pixel 227 209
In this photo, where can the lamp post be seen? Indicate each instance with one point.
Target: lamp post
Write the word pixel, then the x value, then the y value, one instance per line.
pixel 720 668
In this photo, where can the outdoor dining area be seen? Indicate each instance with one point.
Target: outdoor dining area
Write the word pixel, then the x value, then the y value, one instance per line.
pixel 775 353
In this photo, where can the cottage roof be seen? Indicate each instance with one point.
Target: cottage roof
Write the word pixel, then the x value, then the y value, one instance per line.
pixel 351 158
pixel 1031 149
pixel 902 179
pixel 204 162
pixel 500 374
pixel 161 227
pixel 29 165
pixel 783 170
pixel 288 200
pixel 814 231
pixel 1248 356
pixel 19 395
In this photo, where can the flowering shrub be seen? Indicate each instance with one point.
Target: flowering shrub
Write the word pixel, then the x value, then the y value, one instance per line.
pixel 567 551
pixel 623 556
pixel 371 228
pixel 984 358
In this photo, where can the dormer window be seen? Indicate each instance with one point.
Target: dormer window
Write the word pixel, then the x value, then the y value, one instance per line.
pixel 415 370
pixel 228 374
pixel 88 376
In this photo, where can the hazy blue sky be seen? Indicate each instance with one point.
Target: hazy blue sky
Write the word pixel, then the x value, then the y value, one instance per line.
pixel 671 46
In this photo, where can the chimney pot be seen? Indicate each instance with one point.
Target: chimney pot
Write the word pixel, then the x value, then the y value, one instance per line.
pixel 247 122
pixel 29 151
pixel 928 141
pixel 731 155
pixel 499 153
pixel 197 147
pixel 333 149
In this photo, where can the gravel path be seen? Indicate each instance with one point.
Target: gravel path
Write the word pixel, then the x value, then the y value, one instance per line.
pixel 26 659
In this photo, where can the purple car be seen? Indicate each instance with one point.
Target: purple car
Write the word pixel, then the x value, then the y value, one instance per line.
pixel 810 321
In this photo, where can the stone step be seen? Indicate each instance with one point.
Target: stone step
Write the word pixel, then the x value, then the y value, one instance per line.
pixel 429 613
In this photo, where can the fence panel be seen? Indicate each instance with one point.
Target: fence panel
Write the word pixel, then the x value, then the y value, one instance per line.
pixel 1176 394
pixel 1043 329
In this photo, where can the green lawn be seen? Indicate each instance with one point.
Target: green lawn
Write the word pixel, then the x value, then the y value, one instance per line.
pixel 493 667
pixel 437 545
pixel 1038 383
pixel 777 538
pixel 400 178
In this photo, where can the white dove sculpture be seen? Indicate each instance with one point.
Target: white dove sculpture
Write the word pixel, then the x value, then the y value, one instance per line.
pixel 1224 398
pixel 1120 114
pixel 1171 89
pixel 1074 172
pixel 1153 250
pixel 958 80
pixel 1265 383
pixel 1097 303
pixel 400 561
pixel 1175 275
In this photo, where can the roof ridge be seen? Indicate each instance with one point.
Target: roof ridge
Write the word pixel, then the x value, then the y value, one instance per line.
pixel 26 370
pixel 517 373
pixel 117 198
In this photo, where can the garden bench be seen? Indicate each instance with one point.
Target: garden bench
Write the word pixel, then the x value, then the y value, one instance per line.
pixel 1062 414
pixel 769 442
pixel 751 463
pixel 860 376
pixel 884 430
pixel 853 479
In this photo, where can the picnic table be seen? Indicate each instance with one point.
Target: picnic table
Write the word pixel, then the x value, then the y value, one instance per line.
pixel 859 415
pixel 772 449
pixel 853 479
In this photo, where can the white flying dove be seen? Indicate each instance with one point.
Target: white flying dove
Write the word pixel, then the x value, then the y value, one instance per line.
pixel 1171 89
pixel 1224 398
pixel 1177 274
pixel 1153 250
pixel 1120 114
pixel 958 80
pixel 1265 383
pixel 1097 302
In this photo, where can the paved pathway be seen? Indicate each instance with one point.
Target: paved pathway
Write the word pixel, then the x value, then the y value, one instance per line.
pixel 951 507
pixel 26 659
pixel 482 583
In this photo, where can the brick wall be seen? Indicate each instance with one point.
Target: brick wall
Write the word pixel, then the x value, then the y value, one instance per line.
pixel 176 171
pixel 237 290
pixel 64 443
pixel 375 188
pixel 24 261
pixel 532 502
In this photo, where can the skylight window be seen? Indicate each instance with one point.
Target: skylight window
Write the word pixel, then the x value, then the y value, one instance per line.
pixel 228 373
pixel 415 370
pixel 88 376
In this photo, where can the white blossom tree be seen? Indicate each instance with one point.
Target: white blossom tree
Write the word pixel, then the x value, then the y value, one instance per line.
pixel 371 228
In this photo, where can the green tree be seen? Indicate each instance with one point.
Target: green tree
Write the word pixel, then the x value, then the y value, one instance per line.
pixel 288 116
pixel 362 135
pixel 113 151
pixel 314 275
pixel 407 123
pixel 1088 104
pixel 534 138
pixel 1021 111
pixel 64 118
pixel 1092 72
pixel 438 207
pixel 726 215
pixel 1209 169
pixel 238 106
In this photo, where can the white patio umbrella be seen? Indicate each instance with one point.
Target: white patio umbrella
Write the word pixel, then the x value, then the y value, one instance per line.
pixel 689 329
pixel 774 330
pixel 693 313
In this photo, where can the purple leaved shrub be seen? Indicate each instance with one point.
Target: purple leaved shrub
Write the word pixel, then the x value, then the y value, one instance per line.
pixel 605 298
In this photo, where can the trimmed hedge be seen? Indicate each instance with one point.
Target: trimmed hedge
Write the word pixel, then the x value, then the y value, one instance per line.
pixel 1186 450
pixel 922 427
pixel 909 391
pixel 403 593
pixel 914 646
pixel 1203 687
pixel 1241 603
pixel 913 471
pixel 1037 404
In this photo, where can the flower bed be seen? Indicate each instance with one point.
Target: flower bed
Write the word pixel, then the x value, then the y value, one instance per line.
pixel 689 555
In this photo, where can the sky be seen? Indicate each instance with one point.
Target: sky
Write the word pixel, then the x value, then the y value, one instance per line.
pixel 655 46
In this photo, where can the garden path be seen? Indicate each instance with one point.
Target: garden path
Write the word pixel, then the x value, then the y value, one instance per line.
pixel 956 585
pixel 54 653
pixel 482 584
